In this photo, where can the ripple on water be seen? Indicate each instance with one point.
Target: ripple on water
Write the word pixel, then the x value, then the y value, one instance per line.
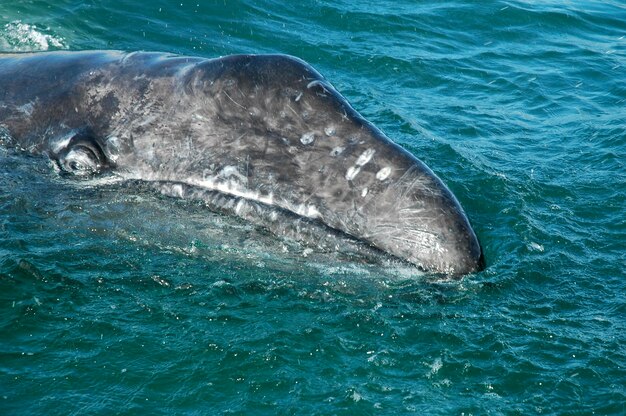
pixel 17 36
pixel 113 297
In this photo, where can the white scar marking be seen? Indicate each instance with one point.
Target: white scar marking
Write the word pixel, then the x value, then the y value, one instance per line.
pixel 298 97
pixel 177 190
pixel 146 121
pixel 352 172
pixel 27 109
pixel 112 147
pixel 232 188
pixel 364 192
pixel 383 173
pixel 307 138
pixel 314 83
pixel 239 206
pixel 365 157
pixel 292 110
pixel 236 103
pixel 62 143
pixel 309 211
pixel 230 171
pixel 337 151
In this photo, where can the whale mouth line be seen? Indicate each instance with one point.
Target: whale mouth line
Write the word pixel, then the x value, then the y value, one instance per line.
pixel 285 223
pixel 290 224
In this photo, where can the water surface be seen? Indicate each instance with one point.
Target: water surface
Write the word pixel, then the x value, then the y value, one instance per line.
pixel 114 299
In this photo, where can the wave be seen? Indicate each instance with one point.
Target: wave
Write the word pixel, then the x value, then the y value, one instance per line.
pixel 17 36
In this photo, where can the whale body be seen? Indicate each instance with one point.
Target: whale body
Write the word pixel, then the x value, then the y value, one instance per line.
pixel 247 132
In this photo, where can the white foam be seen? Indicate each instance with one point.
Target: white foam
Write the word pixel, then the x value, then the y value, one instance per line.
pixel 22 37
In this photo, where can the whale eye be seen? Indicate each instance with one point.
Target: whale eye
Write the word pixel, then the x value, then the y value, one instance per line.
pixel 82 158
pixel 80 161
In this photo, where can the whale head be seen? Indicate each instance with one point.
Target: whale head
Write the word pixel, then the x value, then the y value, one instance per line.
pixel 268 129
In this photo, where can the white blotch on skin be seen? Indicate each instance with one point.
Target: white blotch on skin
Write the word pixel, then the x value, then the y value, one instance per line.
pixel 62 142
pixel 231 188
pixel 365 157
pixel 309 211
pixel 337 151
pixel 177 190
pixel 112 147
pixel 383 173
pixel 352 172
pixel 146 121
pixel 314 83
pixel 330 130
pixel 239 205
pixel 232 172
pixel 27 109
pixel 307 138
pixel 364 192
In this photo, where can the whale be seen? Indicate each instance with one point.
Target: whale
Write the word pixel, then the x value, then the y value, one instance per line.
pixel 263 137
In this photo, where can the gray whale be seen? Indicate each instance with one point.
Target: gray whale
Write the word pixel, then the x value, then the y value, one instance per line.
pixel 247 130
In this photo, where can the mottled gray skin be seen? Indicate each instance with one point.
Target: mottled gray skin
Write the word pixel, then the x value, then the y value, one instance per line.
pixel 266 129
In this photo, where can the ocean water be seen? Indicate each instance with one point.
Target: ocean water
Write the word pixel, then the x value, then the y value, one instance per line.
pixel 116 300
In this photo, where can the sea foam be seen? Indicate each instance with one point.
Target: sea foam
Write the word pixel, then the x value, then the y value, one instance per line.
pixel 17 36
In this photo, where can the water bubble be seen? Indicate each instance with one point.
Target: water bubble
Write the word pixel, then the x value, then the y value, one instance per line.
pixel 21 37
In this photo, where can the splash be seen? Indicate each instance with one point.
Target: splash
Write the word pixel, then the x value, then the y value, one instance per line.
pixel 22 37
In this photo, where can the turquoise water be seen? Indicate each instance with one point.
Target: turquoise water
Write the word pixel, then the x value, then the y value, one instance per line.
pixel 116 300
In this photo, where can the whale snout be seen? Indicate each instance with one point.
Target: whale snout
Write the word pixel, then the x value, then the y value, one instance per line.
pixel 460 251
pixel 415 217
pixel 444 240
pixel 434 234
